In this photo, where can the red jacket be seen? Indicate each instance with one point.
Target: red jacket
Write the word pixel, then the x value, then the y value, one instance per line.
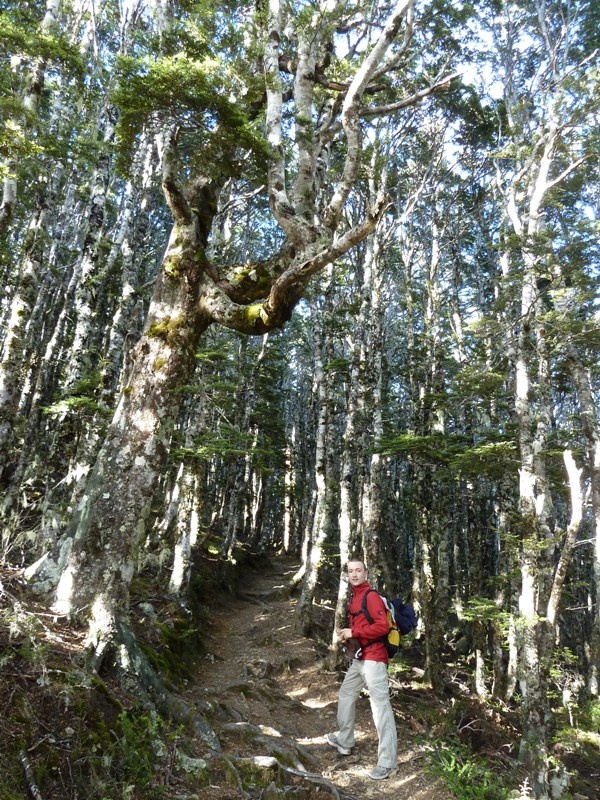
pixel 365 631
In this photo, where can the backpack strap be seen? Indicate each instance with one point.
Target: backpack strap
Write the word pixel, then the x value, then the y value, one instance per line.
pixel 364 610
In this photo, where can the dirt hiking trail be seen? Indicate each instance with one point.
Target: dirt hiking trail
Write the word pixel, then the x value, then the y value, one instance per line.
pixel 271 701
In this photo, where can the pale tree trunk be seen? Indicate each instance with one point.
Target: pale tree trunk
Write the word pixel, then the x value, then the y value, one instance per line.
pixel 359 504
pixel 591 432
pixel 83 301
pixel 239 474
pixel 187 528
pixel 433 531
pixel 373 535
pixel 576 496
pixel 15 342
pixel 533 660
pixel 534 639
pixel 326 488
pixel 182 519
pixel 424 581
pixel 340 619
pixel 290 534
pixel 349 516
pixel 299 466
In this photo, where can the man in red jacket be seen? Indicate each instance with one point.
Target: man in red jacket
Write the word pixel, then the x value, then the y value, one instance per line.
pixel 370 671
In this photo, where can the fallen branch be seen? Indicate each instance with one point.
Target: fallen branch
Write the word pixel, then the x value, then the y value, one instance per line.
pixel 29 776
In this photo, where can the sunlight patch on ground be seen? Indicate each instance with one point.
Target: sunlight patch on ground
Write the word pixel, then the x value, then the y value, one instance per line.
pixel 269 731
pixel 323 740
pixel 407 779
pixel 312 740
pixel 309 702
pixel 297 692
pixel 312 703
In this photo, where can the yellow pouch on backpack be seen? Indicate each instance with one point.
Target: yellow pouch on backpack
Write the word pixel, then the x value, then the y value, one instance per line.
pixel 393 637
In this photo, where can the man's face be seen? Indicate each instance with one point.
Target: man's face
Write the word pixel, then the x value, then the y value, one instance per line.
pixel 357 573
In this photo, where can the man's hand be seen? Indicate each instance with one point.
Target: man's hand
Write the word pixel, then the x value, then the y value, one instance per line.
pixel 345 633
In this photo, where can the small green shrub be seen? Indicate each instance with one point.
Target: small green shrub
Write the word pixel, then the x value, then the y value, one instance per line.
pixel 594 716
pixel 465 775
pixel 135 747
pixel 142 742
pixel 123 761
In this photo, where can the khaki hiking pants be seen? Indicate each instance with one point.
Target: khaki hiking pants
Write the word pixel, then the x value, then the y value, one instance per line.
pixel 372 675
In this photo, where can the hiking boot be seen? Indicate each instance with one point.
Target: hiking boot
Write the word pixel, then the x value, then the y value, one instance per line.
pixel 380 773
pixel 333 741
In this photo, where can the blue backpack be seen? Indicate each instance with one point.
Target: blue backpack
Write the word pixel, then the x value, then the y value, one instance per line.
pixel 406 618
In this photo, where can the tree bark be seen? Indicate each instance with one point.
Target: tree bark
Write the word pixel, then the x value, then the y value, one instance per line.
pixel 326 484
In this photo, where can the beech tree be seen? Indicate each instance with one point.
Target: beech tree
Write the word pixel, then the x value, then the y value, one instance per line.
pixel 96 558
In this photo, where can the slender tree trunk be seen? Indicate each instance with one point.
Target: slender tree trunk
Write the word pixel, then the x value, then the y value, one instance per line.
pixel 325 480
pixel 290 514
pixel 591 432
pixel 376 544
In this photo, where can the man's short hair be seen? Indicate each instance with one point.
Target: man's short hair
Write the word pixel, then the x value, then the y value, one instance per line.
pixel 360 560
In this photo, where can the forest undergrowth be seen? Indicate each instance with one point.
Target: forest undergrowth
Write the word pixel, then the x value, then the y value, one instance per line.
pixel 254 703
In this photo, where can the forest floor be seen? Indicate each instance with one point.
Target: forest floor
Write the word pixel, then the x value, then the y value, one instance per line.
pixel 279 698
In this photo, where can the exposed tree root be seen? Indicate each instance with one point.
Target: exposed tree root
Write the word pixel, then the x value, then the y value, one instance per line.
pixel 272 763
